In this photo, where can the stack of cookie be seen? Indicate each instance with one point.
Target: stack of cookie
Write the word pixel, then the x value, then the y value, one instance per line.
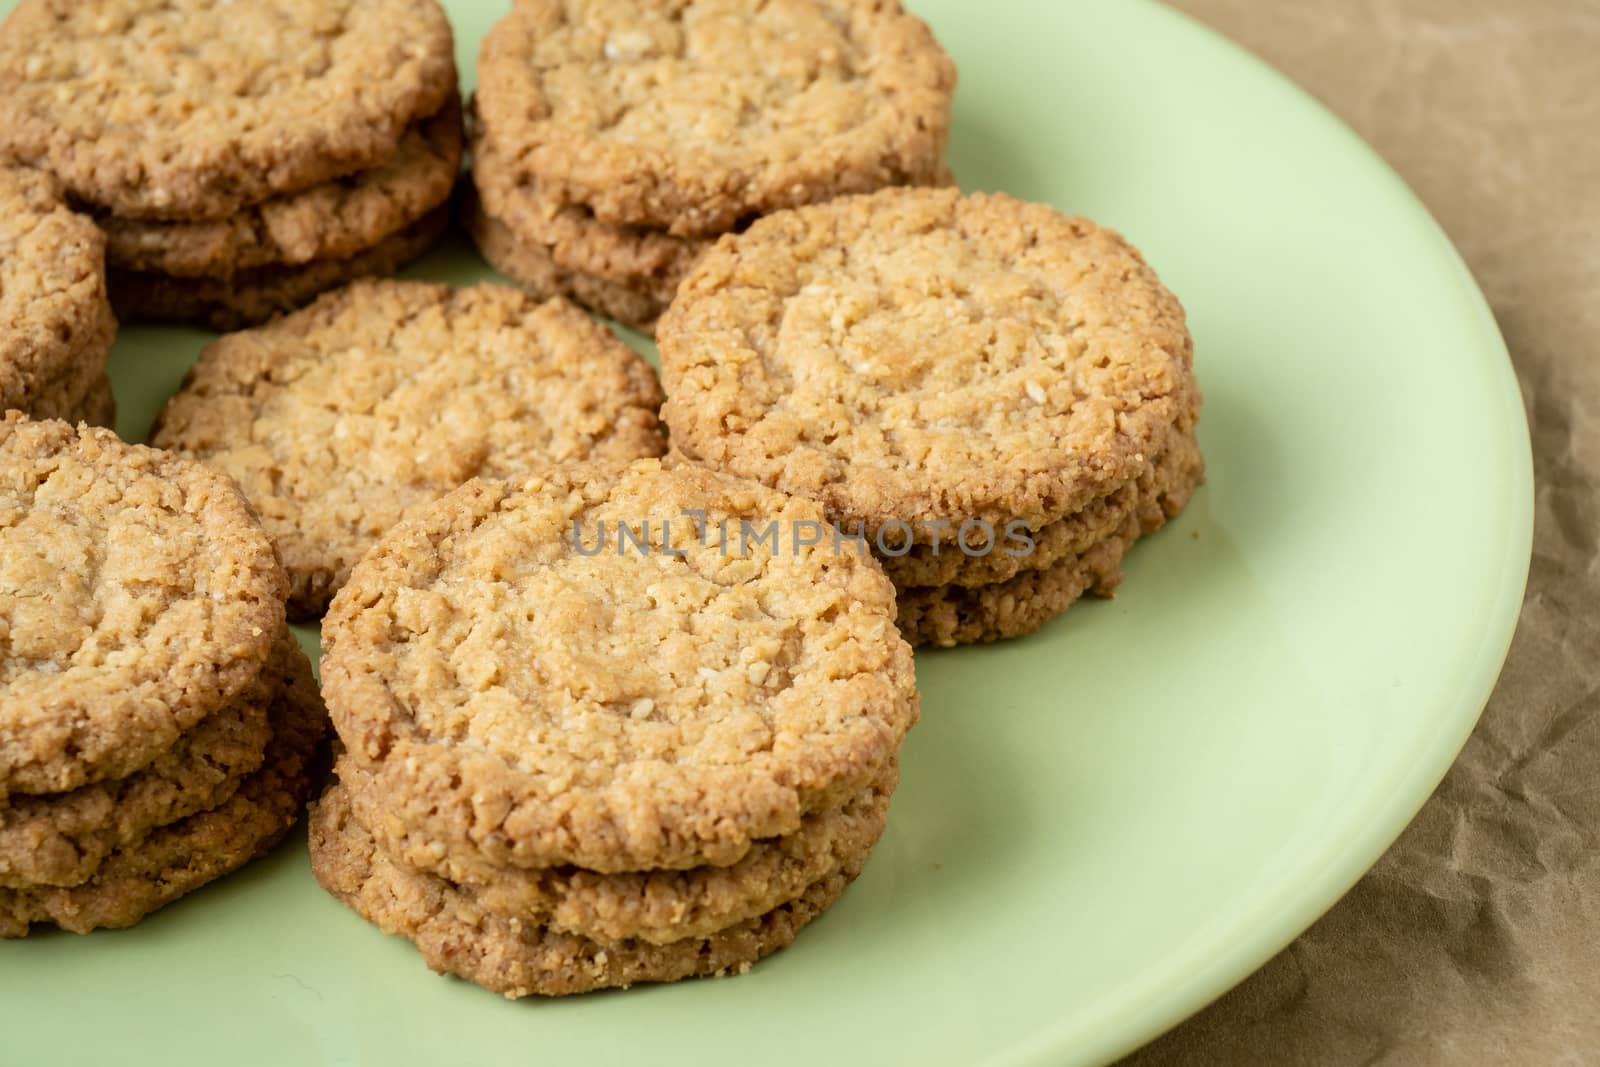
pixel 56 327
pixel 614 140
pixel 157 720
pixel 241 157
pixel 998 399
pixel 382 396
pixel 595 736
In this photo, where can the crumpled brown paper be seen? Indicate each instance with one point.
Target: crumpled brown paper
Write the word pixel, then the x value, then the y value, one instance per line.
pixel 1476 939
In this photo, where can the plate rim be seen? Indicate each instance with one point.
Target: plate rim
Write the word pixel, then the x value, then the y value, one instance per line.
pixel 1190 981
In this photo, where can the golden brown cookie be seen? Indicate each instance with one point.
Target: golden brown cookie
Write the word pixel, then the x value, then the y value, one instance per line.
pixel 54 316
pixel 528 695
pixel 693 116
pixel 138 595
pixel 917 356
pixel 174 860
pixel 653 906
pixel 339 419
pixel 334 220
pixel 60 838
pixel 519 959
pixel 253 296
pixel 195 109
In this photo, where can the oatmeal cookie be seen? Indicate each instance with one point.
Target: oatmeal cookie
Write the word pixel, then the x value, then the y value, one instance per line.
pixel 339 419
pixel 196 109
pixel 519 959
pixel 177 859
pixel 529 691
pixel 691 117
pixel 653 906
pixel 59 839
pixel 138 594
pixel 334 220
pixel 921 356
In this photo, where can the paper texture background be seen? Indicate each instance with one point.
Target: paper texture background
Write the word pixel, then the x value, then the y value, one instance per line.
pixel 1476 939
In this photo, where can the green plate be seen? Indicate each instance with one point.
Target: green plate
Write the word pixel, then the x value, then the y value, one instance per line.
pixel 1102 827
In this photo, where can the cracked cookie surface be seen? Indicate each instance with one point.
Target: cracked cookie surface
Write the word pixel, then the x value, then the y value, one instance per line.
pixel 138 594
pixel 916 356
pixel 693 116
pixel 537 698
pixel 195 109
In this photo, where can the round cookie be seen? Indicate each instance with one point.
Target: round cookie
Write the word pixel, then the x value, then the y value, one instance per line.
pixel 1168 482
pixel 526 696
pixel 339 419
pixel 196 109
pixel 335 220
pixel 53 309
pixel 517 959
pixel 255 295
pixel 535 268
pixel 138 595
pixel 916 356
pixel 652 906
pixel 691 117
pixel 59 839
pixel 177 859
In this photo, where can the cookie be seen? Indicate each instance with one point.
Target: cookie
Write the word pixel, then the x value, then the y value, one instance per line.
pixel 339 419
pixel 138 595
pixel 1166 485
pixel 197 109
pixel 916 356
pixel 653 906
pixel 535 268
pixel 335 220
pixel 59 839
pixel 53 309
pixel 691 117
pixel 628 273
pixel 177 859
pixel 527 694
pixel 253 296
pixel 519 959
